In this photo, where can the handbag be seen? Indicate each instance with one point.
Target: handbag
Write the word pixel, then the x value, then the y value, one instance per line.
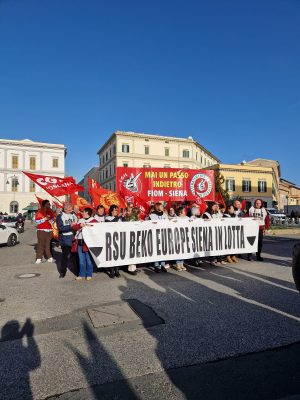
pixel 74 248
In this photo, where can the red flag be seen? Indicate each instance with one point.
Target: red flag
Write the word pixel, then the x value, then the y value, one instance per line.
pixel 220 200
pixel 39 200
pixel 202 205
pixel 79 201
pixel 137 202
pixel 243 205
pixel 58 206
pixel 105 197
pixel 54 185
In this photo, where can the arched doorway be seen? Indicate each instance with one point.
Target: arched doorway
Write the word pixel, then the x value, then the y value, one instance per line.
pixel 14 207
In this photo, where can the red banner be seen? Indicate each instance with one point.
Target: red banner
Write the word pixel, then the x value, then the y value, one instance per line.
pixel 54 185
pixel 164 184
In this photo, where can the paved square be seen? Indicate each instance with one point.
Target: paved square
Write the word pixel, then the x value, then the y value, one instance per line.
pixel 112 314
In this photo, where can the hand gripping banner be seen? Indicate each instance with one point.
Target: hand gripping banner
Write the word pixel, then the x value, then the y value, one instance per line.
pixel 123 243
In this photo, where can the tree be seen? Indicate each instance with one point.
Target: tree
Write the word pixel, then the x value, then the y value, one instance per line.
pixel 219 186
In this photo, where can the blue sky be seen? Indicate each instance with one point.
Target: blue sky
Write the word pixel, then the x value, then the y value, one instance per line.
pixel 225 72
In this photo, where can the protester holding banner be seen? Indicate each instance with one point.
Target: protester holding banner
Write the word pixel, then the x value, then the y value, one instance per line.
pixel 238 209
pixel 172 215
pixel 100 213
pixel 230 213
pixel 65 222
pixel 158 215
pixel 85 262
pixel 259 212
pixel 113 216
pixel 181 214
pixel 44 219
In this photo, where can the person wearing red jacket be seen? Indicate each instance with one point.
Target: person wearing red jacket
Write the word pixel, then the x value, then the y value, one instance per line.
pixel 259 212
pixel 44 219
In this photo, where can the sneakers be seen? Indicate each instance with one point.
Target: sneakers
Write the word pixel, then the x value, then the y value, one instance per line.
pixel 50 260
pixel 167 266
pixel 89 278
pixel 223 262
pixel 38 261
pixel 78 278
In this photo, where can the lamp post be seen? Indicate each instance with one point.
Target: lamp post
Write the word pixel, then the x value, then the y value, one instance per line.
pixel 14 179
pixel 287 205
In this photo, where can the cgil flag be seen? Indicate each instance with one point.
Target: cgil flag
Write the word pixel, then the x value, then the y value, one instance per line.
pixel 54 185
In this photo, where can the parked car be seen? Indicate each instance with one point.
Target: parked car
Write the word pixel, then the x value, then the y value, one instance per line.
pixel 276 217
pixel 9 221
pixel 8 235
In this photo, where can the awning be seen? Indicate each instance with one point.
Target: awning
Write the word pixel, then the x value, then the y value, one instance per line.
pixel 31 208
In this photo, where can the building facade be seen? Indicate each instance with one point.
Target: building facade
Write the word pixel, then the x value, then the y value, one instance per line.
pixel 131 149
pixel 248 182
pixel 17 190
pixel 289 196
pixel 93 173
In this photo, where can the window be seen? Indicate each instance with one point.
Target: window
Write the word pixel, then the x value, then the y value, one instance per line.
pixel 125 164
pixel 106 173
pixel 14 184
pixel 14 207
pixel 114 149
pixel 110 170
pixel 32 162
pixel 31 186
pixel 230 184
pixel 262 186
pixel 167 151
pixel 54 162
pixel 15 162
pixel 201 160
pixel 146 166
pixel 125 148
pixel 106 156
pixel 246 185
pixel 146 149
pixel 186 154
pixel 196 156
pixel 167 166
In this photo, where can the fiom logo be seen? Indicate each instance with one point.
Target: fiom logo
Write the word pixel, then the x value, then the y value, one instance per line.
pixel 200 185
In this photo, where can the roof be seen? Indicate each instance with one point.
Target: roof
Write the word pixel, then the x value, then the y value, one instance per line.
pixel 161 137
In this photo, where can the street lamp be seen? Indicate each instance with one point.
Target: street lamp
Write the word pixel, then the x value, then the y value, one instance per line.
pixel 287 205
pixel 14 183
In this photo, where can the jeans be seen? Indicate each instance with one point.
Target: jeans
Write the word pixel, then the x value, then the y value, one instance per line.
pixel 179 262
pixel 85 263
pixel 159 264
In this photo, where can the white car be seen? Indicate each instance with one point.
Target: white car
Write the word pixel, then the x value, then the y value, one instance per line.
pixel 8 235
pixel 276 216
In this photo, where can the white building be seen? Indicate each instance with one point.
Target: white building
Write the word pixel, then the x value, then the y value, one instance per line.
pixel 17 190
pixel 131 149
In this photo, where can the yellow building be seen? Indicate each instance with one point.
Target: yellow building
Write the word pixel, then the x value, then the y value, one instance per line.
pixel 289 195
pixel 131 149
pixel 249 182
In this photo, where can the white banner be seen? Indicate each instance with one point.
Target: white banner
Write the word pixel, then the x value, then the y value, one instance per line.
pixel 123 243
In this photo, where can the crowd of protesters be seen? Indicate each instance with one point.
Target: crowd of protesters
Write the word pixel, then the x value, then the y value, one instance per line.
pixel 70 222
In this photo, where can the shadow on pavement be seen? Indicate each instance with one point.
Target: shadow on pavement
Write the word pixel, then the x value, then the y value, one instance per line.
pixel 99 360
pixel 17 360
